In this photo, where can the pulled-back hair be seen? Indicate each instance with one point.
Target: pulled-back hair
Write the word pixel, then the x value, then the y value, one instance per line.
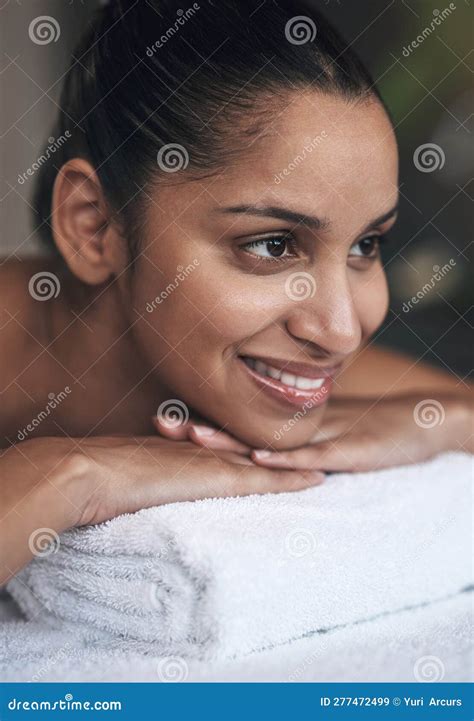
pixel 149 74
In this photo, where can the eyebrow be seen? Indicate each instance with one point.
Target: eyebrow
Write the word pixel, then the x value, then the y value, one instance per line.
pixel 312 221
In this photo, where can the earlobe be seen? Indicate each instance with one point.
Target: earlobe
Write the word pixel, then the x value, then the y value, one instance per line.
pixel 80 223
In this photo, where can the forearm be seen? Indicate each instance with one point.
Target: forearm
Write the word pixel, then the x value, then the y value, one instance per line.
pixel 40 488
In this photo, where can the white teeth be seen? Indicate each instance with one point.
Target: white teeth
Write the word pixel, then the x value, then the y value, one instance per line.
pixel 289 379
pixel 273 373
pixel 304 383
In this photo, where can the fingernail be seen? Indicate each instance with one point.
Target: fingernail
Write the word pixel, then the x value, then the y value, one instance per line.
pixel 203 430
pixel 262 454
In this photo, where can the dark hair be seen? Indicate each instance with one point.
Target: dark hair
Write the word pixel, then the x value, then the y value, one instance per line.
pixel 148 74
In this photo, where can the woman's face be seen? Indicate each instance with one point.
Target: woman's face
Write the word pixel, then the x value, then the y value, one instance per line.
pixel 255 286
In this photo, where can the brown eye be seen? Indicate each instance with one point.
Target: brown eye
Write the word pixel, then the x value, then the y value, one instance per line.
pixel 366 248
pixel 271 248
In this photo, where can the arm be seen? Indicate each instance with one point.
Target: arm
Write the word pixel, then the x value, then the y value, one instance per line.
pixel 57 483
pixel 42 486
pixel 380 372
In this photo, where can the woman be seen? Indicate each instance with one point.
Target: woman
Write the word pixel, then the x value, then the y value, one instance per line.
pixel 217 205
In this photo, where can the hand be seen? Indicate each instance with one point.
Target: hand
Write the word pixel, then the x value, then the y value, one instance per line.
pixel 201 433
pixel 359 434
pixel 51 484
pixel 134 473
pixel 362 434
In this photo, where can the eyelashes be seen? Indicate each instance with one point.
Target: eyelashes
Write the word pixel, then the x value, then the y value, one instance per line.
pixel 278 248
pixel 274 245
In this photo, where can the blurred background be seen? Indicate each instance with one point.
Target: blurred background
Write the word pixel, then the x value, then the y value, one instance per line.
pixel 420 54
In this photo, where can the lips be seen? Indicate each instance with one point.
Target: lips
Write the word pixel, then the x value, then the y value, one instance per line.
pixel 291 383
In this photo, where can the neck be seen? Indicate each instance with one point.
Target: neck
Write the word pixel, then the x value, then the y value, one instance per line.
pixel 91 338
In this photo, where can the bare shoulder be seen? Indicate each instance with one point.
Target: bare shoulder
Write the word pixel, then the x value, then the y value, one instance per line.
pixel 377 370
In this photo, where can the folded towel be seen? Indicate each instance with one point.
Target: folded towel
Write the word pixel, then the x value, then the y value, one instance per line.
pixel 225 577
pixel 429 642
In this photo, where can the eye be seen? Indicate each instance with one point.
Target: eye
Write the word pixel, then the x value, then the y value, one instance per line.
pixel 367 247
pixel 274 247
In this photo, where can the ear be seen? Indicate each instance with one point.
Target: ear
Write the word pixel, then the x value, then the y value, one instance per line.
pixel 91 245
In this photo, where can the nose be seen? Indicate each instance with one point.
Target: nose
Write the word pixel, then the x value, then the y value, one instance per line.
pixel 323 313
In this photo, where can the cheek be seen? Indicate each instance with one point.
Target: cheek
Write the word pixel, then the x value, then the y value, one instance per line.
pixel 371 300
pixel 201 310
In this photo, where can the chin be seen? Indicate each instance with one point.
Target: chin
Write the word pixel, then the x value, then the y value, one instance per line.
pixel 281 435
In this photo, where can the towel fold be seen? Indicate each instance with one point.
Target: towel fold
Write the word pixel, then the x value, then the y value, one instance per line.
pixel 224 577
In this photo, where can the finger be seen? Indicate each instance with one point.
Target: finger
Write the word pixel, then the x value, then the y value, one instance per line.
pixel 343 454
pixel 178 433
pixel 257 480
pixel 216 439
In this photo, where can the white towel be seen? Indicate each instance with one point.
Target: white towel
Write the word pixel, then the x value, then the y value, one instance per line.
pixel 225 577
pixel 430 642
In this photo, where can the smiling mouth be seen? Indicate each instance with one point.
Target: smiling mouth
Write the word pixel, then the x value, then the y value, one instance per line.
pixel 309 386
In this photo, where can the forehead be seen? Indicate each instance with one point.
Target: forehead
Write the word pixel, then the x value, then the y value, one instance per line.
pixel 321 152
